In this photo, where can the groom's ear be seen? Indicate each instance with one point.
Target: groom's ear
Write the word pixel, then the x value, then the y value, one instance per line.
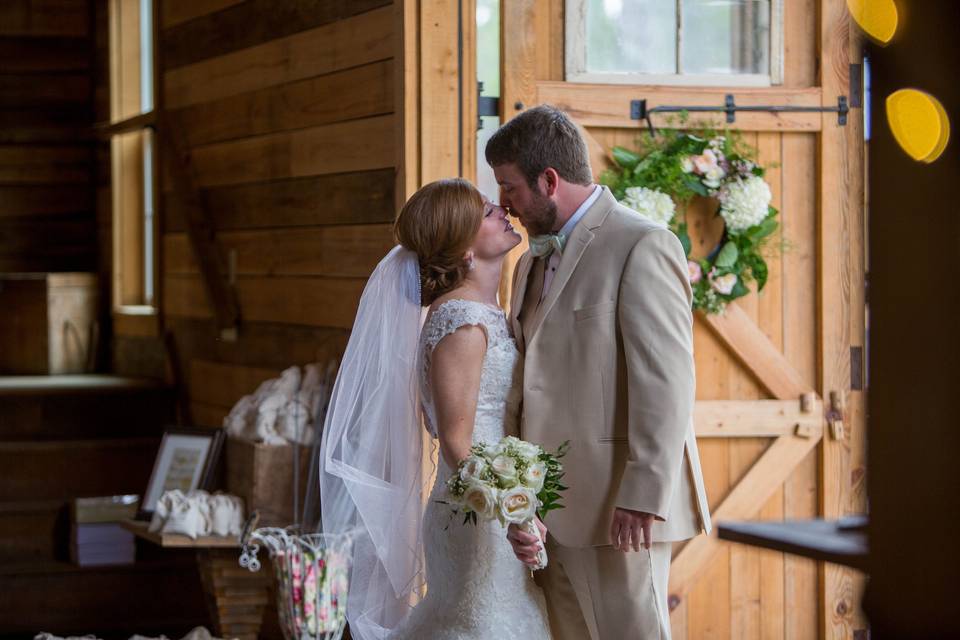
pixel 552 180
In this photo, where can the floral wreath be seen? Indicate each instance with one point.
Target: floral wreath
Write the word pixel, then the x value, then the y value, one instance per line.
pixel 676 166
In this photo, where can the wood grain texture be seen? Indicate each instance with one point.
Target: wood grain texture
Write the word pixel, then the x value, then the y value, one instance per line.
pixel 347 43
pixel 229 25
pixel 36 200
pixel 66 18
pixel 359 92
pixel 841 200
pixel 753 418
pixel 61 89
pixel 439 126
pixel 357 145
pixel 259 344
pixel 49 124
pixel 318 302
pixel 22 164
pixel 174 12
pixel 214 383
pixel 344 198
pixel 338 251
pixel 43 54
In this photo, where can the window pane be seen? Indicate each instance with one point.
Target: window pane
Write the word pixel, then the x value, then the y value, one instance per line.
pixel 488 72
pixel 638 36
pixel 726 36
pixel 146 55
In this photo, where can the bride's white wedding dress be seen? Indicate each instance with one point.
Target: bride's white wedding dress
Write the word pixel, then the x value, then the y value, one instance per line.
pixel 476 587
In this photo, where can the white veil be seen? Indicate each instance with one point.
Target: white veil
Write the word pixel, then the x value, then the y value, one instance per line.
pixel 371 470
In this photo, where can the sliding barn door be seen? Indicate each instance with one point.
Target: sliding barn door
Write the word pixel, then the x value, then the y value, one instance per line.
pixel 776 365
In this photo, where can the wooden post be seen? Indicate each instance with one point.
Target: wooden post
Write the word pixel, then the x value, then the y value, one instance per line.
pixel 840 302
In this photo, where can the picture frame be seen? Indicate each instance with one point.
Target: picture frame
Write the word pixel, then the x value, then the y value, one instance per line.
pixel 186 460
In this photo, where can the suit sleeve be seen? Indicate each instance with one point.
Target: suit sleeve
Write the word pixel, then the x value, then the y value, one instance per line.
pixel 656 324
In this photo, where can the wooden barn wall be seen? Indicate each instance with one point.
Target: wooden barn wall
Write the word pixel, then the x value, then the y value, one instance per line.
pixel 47 220
pixel 287 107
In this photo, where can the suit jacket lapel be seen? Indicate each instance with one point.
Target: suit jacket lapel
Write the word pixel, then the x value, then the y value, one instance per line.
pixel 579 240
pixel 516 299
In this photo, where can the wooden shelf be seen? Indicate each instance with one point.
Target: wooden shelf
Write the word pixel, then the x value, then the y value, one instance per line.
pixel 841 541
pixel 178 541
pixel 74 384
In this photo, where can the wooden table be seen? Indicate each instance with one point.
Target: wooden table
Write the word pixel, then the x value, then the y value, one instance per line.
pixel 842 541
pixel 236 597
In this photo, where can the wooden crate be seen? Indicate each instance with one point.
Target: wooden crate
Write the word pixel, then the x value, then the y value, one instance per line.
pixel 263 476
pixel 48 324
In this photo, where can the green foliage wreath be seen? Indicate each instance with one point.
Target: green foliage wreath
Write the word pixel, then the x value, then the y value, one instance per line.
pixel 676 166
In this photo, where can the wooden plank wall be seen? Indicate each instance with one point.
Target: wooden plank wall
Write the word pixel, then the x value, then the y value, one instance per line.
pixel 47 218
pixel 287 107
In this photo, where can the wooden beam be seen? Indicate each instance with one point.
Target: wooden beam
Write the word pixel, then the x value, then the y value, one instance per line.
pixel 440 124
pixel 406 87
pixel 596 105
pixel 745 500
pixel 201 231
pixel 756 418
pixel 757 353
pixel 178 11
pixel 840 267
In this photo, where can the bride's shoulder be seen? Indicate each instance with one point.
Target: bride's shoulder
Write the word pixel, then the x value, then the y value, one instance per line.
pixel 449 313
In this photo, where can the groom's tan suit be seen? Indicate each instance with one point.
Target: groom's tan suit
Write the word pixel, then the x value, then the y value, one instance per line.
pixel 608 365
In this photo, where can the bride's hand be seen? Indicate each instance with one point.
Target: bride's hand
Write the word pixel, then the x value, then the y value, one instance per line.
pixel 525 545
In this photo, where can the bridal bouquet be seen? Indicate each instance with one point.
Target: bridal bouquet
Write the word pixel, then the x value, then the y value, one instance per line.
pixel 512 481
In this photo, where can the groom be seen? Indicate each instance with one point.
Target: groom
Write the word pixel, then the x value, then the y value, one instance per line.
pixel 601 309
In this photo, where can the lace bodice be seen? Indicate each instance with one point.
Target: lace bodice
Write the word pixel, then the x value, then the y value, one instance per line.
pixel 476 587
pixel 498 403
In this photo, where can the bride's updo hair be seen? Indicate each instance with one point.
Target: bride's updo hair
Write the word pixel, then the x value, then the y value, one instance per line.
pixel 439 223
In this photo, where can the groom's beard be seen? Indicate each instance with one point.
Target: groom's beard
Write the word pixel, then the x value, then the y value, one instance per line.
pixel 541 217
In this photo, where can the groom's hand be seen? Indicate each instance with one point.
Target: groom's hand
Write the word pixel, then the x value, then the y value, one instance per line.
pixel 525 545
pixel 629 528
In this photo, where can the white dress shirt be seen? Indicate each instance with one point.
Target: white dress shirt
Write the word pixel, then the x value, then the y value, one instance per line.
pixel 554 260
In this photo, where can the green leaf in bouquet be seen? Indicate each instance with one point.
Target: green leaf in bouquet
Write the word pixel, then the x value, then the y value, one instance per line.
pixel 760 272
pixel 625 158
pixel 695 185
pixel 739 289
pixel 728 255
pixel 684 239
pixel 762 230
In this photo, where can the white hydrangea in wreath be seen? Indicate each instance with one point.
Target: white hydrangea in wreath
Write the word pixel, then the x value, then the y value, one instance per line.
pixel 676 166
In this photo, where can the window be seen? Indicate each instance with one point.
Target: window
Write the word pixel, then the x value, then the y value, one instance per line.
pixel 683 42
pixel 488 74
pixel 133 155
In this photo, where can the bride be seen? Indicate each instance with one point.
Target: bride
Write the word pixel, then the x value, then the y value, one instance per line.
pixel 458 374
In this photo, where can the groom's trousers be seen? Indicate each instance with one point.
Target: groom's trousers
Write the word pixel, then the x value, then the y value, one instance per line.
pixel 598 593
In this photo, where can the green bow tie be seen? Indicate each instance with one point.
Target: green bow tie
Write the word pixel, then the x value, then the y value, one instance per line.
pixel 542 246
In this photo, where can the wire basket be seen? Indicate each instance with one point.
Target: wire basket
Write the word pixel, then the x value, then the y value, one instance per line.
pixel 312 572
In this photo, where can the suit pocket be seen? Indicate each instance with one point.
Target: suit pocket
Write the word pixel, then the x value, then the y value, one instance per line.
pixel 612 439
pixel 594 310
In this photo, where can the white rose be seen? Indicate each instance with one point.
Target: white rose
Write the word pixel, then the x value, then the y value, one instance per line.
pixel 724 284
pixel 505 469
pixel 687 164
pixel 713 176
pixel 517 505
pixel 471 468
pixel 528 450
pixel 534 476
pixel 481 499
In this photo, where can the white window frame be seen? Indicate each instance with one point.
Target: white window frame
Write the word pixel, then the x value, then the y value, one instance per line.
pixel 576 56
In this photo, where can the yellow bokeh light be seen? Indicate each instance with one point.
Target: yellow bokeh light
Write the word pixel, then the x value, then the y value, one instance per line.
pixel 878 18
pixel 919 123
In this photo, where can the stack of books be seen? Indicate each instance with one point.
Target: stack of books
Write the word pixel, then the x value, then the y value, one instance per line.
pixel 96 537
